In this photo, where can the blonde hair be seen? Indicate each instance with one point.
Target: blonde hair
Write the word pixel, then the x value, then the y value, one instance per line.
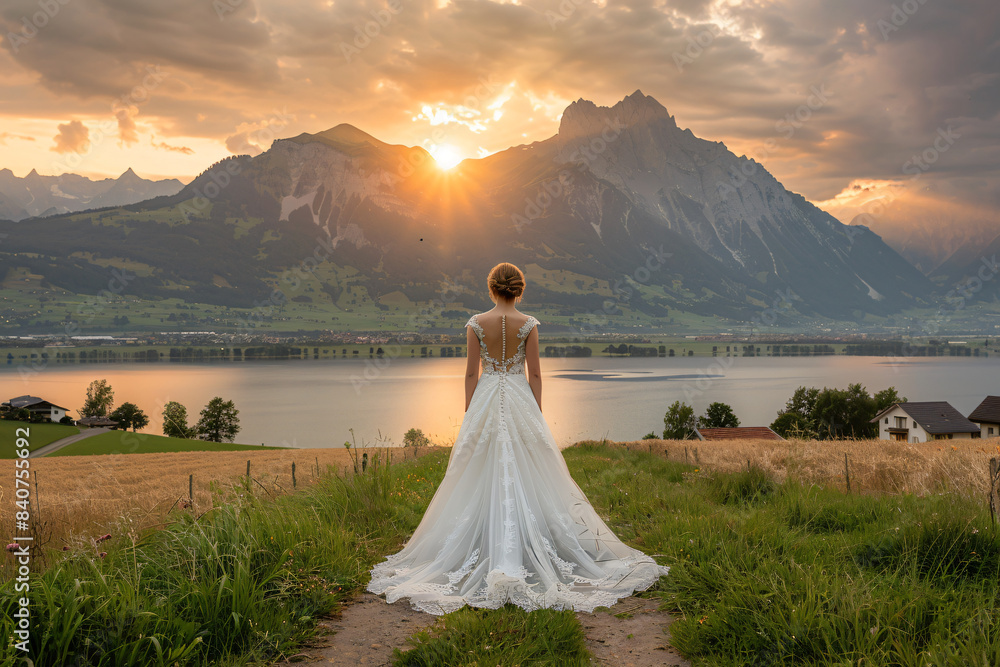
pixel 506 281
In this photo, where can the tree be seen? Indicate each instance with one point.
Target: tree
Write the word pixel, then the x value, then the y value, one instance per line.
pixel 219 421
pixel 415 438
pixel 175 421
pixel 679 422
pixel 887 397
pixel 128 415
pixel 802 402
pixel 793 425
pixel 719 415
pixel 100 398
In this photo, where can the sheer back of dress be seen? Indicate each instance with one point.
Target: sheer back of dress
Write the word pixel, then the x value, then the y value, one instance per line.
pixel 501 341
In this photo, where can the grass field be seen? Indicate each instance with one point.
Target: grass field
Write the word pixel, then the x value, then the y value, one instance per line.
pixel 82 497
pixel 39 435
pixel 126 442
pixel 770 564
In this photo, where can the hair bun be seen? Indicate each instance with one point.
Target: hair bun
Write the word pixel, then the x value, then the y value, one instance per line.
pixel 506 280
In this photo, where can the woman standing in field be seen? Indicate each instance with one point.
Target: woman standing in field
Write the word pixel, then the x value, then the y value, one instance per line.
pixel 508 523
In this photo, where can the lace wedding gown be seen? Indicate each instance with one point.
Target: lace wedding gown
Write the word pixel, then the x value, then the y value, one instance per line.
pixel 508 523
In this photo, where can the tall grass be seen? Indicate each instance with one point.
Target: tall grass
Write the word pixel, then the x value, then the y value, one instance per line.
pixel 239 584
pixel 505 636
pixel 764 573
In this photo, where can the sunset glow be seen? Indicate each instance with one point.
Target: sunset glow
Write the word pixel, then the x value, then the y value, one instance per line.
pixel 744 74
pixel 446 156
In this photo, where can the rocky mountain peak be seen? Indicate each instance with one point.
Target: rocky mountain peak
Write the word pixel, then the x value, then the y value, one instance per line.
pixel 584 118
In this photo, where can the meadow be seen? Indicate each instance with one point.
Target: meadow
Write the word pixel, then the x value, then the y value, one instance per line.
pixel 772 563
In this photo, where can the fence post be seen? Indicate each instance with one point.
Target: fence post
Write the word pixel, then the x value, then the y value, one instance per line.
pixel 685 454
pixel 317 466
pixel 38 503
pixel 364 461
pixel 293 474
pixel 248 467
pixel 994 474
pixel 191 488
pixel 847 473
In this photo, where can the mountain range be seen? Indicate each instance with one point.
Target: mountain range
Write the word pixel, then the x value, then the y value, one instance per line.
pixel 626 207
pixel 38 196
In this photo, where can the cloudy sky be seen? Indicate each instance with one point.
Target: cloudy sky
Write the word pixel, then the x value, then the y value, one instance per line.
pixel 842 100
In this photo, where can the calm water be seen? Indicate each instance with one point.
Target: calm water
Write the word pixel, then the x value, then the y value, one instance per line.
pixel 314 403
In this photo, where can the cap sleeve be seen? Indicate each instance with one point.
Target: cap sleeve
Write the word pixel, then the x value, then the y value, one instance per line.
pixel 474 323
pixel 526 328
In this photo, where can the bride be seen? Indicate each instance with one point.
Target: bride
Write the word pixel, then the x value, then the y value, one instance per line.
pixel 508 523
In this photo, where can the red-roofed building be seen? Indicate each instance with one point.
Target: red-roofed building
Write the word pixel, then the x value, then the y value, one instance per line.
pixel 737 432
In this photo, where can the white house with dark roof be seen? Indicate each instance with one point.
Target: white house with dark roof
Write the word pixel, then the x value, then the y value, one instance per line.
pixel 921 421
pixel 987 417
pixel 37 405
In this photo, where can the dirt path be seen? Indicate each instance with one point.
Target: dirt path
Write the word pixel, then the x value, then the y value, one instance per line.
pixel 641 640
pixel 365 633
pixel 368 630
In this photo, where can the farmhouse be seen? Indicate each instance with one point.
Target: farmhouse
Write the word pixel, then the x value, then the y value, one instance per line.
pixel 37 406
pixel 987 417
pixel 920 421
pixel 733 432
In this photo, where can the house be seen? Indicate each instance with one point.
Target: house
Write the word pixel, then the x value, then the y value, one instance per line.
pixel 734 432
pixel 920 421
pixel 38 406
pixel 987 417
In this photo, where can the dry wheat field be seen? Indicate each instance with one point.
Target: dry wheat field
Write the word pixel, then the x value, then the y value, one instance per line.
pixel 876 466
pixel 82 497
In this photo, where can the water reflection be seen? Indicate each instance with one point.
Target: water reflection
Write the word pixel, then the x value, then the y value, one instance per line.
pixel 314 403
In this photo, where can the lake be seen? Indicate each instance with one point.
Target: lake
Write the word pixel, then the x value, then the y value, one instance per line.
pixel 315 403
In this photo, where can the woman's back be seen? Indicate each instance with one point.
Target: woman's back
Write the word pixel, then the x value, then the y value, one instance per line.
pixel 502 333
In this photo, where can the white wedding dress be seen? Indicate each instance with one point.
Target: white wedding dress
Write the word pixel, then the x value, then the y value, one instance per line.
pixel 508 523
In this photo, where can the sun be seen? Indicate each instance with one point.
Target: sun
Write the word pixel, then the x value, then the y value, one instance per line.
pixel 446 156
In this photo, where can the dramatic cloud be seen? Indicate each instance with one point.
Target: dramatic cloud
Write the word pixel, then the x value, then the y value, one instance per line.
pixel 126 126
pixel 825 93
pixel 73 137
pixel 166 147
pixel 6 136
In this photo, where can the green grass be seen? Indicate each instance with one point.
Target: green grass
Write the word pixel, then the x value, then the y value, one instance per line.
pixel 126 442
pixel 790 574
pixel 242 584
pixel 506 636
pixel 39 435
pixel 761 574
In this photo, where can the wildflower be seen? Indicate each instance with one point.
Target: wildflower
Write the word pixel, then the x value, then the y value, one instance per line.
pixel 104 537
pixel 103 554
pixel 13 546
